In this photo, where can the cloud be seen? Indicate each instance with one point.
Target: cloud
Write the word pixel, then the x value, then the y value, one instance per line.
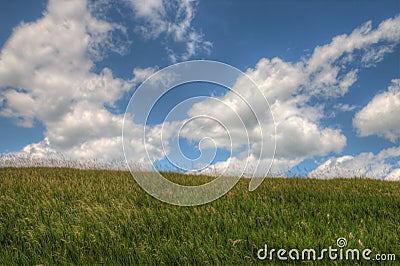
pixel 328 62
pixel 233 166
pixel 46 75
pixel 39 150
pixel 20 101
pixel 173 19
pixel 377 166
pixel 381 115
pixel 141 74
pixel 35 154
pixel 297 91
pixel 50 62
pixel 394 175
pixel 344 107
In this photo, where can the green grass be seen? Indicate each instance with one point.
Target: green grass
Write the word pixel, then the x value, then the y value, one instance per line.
pixel 69 216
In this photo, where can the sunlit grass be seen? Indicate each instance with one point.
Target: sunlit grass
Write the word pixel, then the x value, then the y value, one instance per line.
pixel 64 216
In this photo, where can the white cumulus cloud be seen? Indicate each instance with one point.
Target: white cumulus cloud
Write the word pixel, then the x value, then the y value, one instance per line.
pixel 46 75
pixel 290 88
pixel 367 164
pixel 381 115
pixel 394 175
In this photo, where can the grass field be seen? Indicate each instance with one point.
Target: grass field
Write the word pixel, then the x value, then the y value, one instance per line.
pixel 69 216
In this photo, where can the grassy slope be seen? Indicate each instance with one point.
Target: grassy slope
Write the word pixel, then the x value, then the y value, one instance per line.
pixel 74 216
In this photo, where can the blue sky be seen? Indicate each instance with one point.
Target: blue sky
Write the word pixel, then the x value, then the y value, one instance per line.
pixel 69 68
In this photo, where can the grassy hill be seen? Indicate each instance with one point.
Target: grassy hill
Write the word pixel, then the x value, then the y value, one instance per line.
pixel 64 216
